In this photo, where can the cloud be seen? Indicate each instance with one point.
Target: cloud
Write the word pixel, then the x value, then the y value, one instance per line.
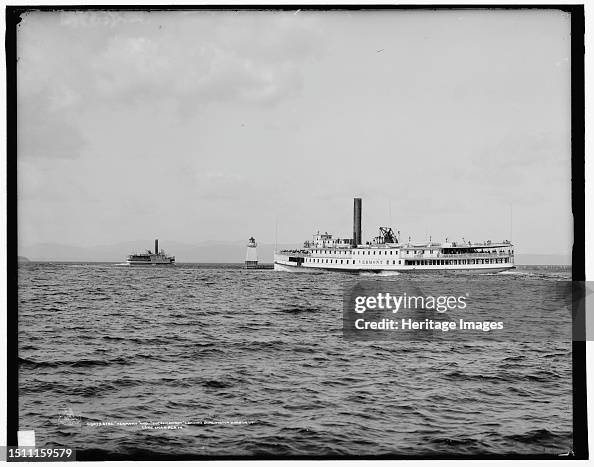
pixel 195 63
pixel 529 167
pixel 50 183
pixel 219 186
pixel 74 63
pixel 98 19
pixel 44 131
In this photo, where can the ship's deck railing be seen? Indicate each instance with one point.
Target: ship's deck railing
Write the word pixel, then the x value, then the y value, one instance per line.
pixel 304 253
pixel 463 255
pixel 295 252
pixel 412 246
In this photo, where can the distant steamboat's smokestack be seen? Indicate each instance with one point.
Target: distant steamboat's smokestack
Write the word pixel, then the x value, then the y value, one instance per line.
pixel 156 246
pixel 357 222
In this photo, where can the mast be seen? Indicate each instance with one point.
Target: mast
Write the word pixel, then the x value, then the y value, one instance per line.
pixel 511 223
pixel 275 234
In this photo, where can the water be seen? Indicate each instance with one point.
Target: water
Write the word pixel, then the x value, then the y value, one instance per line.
pixel 220 361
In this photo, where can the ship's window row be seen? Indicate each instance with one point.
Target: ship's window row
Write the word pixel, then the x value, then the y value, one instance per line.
pixel 445 262
pixel 410 252
pixel 355 252
pixel 434 262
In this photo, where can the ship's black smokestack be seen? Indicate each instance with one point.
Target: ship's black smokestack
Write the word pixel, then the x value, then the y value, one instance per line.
pixel 156 246
pixel 357 222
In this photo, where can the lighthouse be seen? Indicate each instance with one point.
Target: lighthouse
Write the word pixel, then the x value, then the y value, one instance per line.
pixel 251 256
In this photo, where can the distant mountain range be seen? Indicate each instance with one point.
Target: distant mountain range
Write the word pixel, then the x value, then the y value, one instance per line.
pixel 205 252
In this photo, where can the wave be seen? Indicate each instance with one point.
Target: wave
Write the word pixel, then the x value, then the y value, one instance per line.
pixel 540 437
pixel 299 309
pixel 217 384
pixel 83 363
pixel 379 274
pixel 515 358
pixel 460 375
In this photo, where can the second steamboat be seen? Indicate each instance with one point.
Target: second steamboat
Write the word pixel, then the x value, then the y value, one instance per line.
pixel 149 258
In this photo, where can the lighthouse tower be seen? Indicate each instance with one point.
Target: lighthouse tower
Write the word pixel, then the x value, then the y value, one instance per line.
pixel 251 256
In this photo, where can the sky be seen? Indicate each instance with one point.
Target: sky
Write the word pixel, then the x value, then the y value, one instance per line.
pixel 198 126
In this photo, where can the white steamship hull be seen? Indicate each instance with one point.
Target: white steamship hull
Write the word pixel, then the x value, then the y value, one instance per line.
pixel 283 265
pixel 287 267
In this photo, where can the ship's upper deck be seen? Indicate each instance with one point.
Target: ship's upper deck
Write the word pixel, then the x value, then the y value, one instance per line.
pixel 324 244
pixel 388 239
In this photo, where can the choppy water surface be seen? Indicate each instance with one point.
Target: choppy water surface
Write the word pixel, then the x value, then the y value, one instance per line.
pixel 256 363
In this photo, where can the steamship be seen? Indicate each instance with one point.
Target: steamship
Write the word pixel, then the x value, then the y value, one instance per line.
pixel 149 258
pixel 386 253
